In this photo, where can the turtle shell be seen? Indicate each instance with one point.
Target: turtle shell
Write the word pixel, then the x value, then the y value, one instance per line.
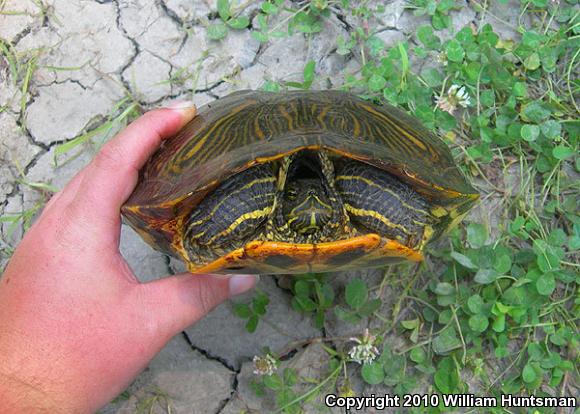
pixel 248 128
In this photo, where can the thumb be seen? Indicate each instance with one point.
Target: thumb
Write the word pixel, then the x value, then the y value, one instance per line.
pixel 176 302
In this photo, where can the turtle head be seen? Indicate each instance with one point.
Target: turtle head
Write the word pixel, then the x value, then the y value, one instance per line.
pixel 306 206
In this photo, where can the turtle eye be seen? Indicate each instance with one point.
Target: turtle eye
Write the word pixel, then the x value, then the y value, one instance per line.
pixel 291 193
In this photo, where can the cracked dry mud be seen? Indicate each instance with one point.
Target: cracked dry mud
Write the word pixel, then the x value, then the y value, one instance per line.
pixel 89 56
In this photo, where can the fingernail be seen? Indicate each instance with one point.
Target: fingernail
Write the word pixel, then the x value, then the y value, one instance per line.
pixel 242 283
pixel 179 105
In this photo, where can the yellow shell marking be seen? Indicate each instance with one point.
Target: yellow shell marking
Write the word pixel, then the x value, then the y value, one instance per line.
pixel 209 133
pixel 397 127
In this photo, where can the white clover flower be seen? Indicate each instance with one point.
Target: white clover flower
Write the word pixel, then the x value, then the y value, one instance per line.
pixel 442 58
pixel 456 95
pixel 365 351
pixel 264 365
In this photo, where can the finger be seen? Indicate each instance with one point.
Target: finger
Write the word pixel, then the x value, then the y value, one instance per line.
pixel 111 177
pixel 179 301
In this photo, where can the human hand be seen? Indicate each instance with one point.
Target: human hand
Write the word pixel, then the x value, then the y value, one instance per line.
pixel 76 326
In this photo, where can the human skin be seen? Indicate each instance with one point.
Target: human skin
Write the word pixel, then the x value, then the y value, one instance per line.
pixel 76 326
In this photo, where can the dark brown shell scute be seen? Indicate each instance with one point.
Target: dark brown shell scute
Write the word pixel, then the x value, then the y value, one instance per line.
pixel 227 135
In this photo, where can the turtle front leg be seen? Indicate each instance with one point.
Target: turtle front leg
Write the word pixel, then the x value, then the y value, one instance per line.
pixel 232 215
pixel 383 204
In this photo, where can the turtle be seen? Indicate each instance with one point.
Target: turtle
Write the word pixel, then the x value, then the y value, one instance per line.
pixel 297 182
